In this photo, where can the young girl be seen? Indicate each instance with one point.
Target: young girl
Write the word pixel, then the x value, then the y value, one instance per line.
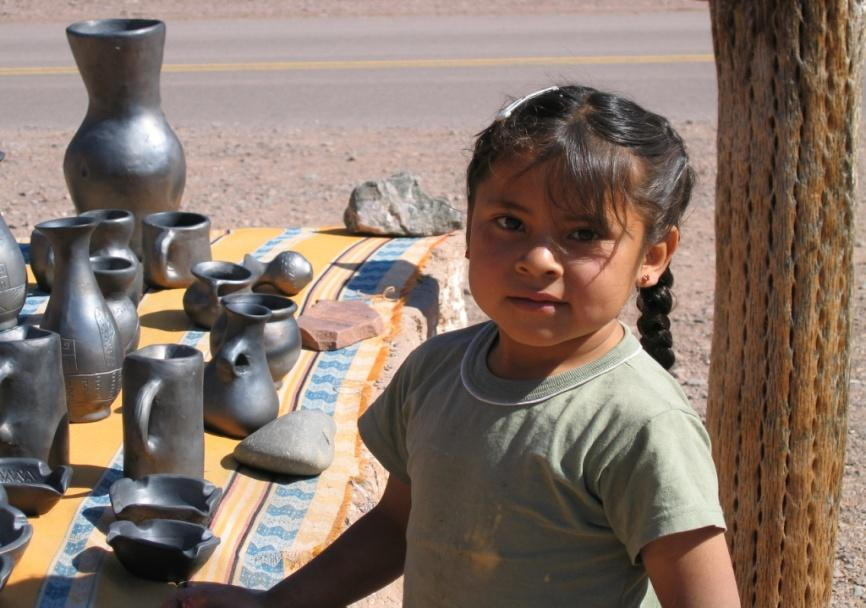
pixel 544 458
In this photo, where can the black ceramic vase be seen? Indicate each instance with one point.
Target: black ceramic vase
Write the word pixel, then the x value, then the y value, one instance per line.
pixel 282 338
pixel 114 276
pixel 239 394
pixel 13 278
pixel 163 428
pixel 124 154
pixel 34 421
pixel 90 343
pixel 213 280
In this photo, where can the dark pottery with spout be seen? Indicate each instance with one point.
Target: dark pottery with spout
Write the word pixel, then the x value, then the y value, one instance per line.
pixel 201 300
pixel 282 338
pixel 288 273
pixel 239 394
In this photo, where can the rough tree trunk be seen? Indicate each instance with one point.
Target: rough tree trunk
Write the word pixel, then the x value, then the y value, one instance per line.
pixel 789 93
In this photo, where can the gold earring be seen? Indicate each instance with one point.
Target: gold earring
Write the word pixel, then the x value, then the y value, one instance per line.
pixel 644 279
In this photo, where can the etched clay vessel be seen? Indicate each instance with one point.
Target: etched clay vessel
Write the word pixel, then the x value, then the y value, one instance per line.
pixel 124 154
pixel 163 428
pixel 213 280
pixel 239 394
pixel 13 278
pixel 114 276
pixel 90 343
pixel 282 338
pixel 34 421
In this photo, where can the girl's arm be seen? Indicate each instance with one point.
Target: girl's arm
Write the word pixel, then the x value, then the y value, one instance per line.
pixel 692 569
pixel 366 557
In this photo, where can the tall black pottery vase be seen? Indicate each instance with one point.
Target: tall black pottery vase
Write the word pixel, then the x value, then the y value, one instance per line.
pixel 90 342
pixel 124 154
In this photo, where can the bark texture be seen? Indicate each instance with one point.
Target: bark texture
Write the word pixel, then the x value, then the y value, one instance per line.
pixel 789 91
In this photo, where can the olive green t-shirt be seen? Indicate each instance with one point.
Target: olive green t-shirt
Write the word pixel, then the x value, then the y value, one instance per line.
pixel 538 493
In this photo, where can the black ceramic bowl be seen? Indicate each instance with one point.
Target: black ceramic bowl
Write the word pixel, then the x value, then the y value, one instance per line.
pixel 164 496
pixel 161 549
pixel 15 534
pixel 31 485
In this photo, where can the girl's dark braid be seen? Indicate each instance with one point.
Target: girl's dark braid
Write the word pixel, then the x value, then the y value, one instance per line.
pixel 654 303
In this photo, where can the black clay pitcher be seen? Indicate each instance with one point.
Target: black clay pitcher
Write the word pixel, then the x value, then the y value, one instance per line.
pixel 163 428
pixel 239 395
pixel 124 154
pixel 89 339
pixel 34 421
pixel 13 278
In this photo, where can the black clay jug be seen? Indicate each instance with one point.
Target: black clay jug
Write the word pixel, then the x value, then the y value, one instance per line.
pixel 124 154
pixel 114 276
pixel 90 342
pixel 239 395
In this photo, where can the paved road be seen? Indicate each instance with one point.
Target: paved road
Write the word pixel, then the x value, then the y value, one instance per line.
pixel 428 72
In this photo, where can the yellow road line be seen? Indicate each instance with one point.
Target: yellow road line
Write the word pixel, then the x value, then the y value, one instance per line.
pixel 387 64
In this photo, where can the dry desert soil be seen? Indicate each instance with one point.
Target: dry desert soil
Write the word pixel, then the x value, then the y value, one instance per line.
pixel 304 176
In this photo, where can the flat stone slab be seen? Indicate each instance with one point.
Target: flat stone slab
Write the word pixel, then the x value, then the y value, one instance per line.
pixel 332 324
pixel 297 443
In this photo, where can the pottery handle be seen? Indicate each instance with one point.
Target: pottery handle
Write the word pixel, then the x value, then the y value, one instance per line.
pixel 143 406
pixel 162 246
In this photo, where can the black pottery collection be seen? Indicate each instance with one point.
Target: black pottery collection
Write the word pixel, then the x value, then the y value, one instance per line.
pixel 164 496
pixel 34 420
pixel 282 338
pixel 114 277
pixel 163 424
pixel 13 278
pixel 239 394
pixel 213 280
pixel 124 154
pixel 91 348
pixel 173 242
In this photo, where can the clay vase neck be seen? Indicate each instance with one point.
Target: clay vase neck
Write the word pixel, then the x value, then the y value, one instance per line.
pixel 69 239
pixel 135 67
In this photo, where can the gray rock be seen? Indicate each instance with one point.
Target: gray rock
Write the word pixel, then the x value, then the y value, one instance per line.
pixel 298 443
pixel 397 207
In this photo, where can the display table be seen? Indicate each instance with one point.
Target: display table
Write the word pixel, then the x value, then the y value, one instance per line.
pixel 267 525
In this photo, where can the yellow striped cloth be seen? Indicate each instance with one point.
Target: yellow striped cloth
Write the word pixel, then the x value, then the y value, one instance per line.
pixel 268 526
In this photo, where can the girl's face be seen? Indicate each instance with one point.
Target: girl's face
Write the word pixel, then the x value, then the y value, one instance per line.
pixel 554 282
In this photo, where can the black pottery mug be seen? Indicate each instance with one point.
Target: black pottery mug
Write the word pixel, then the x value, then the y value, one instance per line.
pixel 172 243
pixel 163 423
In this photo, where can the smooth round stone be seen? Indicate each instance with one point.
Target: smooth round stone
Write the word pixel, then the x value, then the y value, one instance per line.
pixel 298 443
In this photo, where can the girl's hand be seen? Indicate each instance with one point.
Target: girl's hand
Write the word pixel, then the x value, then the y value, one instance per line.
pixel 214 595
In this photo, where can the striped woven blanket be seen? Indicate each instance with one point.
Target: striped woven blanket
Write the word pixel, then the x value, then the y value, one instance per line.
pixel 268 526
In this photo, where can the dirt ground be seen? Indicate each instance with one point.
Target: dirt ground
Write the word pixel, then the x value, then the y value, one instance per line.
pixel 304 177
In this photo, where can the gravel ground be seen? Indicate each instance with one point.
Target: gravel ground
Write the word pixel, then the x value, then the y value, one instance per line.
pixel 304 177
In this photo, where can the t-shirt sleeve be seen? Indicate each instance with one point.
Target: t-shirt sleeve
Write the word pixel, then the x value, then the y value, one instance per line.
pixel 662 482
pixel 383 425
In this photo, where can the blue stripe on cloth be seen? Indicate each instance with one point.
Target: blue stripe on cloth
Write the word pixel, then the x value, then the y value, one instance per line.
pixel 60 579
pixel 288 503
